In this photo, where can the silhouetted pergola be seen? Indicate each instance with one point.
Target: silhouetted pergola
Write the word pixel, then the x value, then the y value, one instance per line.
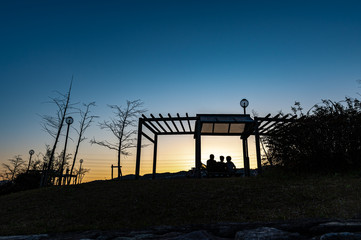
pixel 212 125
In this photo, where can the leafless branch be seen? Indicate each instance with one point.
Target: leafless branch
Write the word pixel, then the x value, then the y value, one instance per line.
pixel 13 168
pixel 122 125
pixel 85 121
pixel 54 125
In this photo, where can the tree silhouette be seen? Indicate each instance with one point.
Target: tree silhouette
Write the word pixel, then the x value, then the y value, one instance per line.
pixel 85 122
pixel 123 127
pixel 81 174
pixel 53 125
pixel 13 168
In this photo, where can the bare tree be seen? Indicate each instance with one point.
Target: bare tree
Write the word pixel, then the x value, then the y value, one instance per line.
pixel 85 122
pixel 80 174
pixel 123 127
pixel 13 168
pixel 53 125
pixel 61 162
pixel 37 163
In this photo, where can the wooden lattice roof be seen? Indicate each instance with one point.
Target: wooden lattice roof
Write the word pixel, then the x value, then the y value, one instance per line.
pixel 169 125
pixel 269 125
pixel 215 124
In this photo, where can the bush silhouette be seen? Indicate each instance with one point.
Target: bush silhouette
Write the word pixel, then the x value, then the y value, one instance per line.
pixel 325 140
pixel 27 181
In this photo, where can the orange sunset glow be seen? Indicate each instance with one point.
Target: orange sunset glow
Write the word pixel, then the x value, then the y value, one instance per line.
pixel 194 57
pixel 175 153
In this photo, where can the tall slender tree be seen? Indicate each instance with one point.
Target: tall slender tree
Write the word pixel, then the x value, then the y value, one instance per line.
pixel 85 121
pixel 123 127
pixel 53 125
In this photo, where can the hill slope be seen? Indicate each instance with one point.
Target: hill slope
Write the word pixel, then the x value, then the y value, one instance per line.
pixel 143 203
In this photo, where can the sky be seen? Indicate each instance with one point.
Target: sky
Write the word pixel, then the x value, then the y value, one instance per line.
pixel 186 56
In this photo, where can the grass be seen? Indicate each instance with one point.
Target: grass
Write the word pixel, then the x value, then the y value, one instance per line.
pixel 144 203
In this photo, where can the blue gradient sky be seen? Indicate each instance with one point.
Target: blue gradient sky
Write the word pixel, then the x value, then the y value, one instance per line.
pixel 177 56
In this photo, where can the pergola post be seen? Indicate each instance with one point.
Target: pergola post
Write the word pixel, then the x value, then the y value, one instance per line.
pixel 155 155
pixel 197 136
pixel 139 147
pixel 246 157
pixel 198 155
pixel 258 149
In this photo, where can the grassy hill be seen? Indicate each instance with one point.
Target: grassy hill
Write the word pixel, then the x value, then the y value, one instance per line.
pixel 144 203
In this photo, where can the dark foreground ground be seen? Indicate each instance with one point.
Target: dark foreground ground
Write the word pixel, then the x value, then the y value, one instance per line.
pixel 129 206
pixel 314 229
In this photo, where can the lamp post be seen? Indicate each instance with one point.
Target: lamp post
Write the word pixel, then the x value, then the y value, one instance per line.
pixel 31 152
pixel 69 121
pixel 244 103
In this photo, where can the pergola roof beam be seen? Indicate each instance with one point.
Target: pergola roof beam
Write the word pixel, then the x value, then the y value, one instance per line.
pixel 275 123
pixel 181 123
pixel 175 133
pixel 170 129
pixel 263 118
pixel 266 125
pixel 170 119
pixel 157 130
pixel 221 134
pixel 259 121
pixel 268 121
pixel 189 123
pixel 173 122
pixel 158 123
pixel 150 128
pixel 276 128
pixel 147 137
pixel 163 127
pixel 154 129
pixel 276 118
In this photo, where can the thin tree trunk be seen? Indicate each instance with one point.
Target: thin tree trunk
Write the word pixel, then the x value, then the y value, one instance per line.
pixel 121 139
pixel 119 160
pixel 75 155
pixel 45 182
pixel 84 124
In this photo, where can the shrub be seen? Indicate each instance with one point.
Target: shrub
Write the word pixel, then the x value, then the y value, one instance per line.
pixel 29 180
pixel 327 139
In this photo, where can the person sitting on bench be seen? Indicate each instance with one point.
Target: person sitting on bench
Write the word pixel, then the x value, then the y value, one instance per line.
pixel 211 164
pixel 221 166
pixel 231 168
